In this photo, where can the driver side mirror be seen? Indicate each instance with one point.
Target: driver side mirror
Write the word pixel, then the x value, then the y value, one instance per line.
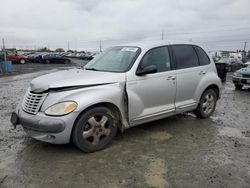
pixel 147 70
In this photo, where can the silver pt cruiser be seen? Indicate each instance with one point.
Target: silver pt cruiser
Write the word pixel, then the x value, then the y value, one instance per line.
pixel 122 87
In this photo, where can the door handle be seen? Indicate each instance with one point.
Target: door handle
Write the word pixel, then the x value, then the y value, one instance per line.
pixel 171 78
pixel 202 72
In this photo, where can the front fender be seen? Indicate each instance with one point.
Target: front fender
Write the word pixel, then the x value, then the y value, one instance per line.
pixel 87 97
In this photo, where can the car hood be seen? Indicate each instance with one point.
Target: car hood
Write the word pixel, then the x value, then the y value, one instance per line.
pixel 74 78
pixel 245 70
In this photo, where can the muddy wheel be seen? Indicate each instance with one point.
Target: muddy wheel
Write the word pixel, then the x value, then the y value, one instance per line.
pixel 22 61
pixel 238 86
pixel 47 61
pixel 207 104
pixel 67 61
pixel 95 129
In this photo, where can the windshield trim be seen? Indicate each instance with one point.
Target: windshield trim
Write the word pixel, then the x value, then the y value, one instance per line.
pixel 130 65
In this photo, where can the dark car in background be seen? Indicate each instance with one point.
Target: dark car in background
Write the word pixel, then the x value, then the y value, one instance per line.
pixel 232 64
pixel 242 77
pixel 37 57
pixel 55 58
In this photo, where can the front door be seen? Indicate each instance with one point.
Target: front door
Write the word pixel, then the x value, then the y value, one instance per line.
pixel 152 96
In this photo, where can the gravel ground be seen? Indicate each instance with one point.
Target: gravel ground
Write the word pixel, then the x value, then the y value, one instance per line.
pixel 179 151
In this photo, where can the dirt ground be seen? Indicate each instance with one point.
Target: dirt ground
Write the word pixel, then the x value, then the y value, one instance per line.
pixel 179 151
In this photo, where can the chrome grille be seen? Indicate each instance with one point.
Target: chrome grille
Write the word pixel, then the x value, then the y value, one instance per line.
pixel 32 102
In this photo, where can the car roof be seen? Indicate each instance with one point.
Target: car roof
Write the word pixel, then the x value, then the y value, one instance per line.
pixel 151 44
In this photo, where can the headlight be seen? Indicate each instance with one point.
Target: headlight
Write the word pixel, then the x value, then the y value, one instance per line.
pixel 236 74
pixel 61 109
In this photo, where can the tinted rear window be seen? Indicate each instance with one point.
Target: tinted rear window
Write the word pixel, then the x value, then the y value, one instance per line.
pixel 203 57
pixel 185 56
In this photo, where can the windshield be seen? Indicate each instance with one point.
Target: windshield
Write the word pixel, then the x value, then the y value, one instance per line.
pixel 116 59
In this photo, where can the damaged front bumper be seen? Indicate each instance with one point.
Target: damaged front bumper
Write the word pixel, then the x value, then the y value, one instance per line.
pixel 55 130
pixel 39 124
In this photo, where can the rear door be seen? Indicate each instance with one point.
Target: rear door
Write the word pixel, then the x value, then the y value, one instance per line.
pixel 190 70
pixel 152 96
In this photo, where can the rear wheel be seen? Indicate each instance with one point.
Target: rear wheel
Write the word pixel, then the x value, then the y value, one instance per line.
pixel 238 86
pixel 95 129
pixel 22 61
pixel 207 104
pixel 67 61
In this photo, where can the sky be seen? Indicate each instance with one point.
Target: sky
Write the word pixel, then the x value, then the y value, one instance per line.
pixel 82 24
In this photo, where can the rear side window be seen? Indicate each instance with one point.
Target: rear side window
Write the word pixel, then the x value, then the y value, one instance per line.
pixel 202 55
pixel 158 57
pixel 185 56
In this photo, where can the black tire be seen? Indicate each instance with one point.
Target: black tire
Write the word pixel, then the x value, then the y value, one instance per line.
pixel 224 79
pixel 206 107
pixel 99 132
pixel 238 86
pixel 67 61
pixel 47 61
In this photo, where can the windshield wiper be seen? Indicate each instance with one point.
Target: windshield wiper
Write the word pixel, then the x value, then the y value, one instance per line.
pixel 93 69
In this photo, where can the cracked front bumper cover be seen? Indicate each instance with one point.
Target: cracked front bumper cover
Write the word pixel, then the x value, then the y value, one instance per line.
pixel 38 124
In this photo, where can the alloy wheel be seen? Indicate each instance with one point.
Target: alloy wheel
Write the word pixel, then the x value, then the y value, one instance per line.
pixel 96 129
pixel 208 103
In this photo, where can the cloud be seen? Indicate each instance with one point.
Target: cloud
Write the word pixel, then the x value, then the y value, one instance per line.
pixel 83 23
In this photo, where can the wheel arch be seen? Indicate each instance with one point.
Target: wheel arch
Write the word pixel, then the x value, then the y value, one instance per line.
pixel 215 88
pixel 108 105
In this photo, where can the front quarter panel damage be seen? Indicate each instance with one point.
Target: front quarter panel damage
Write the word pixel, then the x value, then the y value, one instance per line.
pixel 113 93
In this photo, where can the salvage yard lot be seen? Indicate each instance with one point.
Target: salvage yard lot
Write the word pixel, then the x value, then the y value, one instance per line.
pixel 179 151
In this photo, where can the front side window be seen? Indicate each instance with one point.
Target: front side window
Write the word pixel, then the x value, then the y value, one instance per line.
pixel 158 57
pixel 116 59
pixel 185 56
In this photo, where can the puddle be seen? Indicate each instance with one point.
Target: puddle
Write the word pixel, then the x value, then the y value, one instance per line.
pixel 231 132
pixel 155 172
pixel 163 135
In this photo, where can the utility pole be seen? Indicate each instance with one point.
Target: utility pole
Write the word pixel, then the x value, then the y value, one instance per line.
pixel 162 35
pixel 68 45
pixel 4 50
pixel 245 45
pixel 100 45
pixel 244 53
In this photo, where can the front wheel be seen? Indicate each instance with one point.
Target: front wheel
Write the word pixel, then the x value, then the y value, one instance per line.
pixel 22 61
pixel 207 104
pixel 95 129
pixel 238 86
pixel 67 61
